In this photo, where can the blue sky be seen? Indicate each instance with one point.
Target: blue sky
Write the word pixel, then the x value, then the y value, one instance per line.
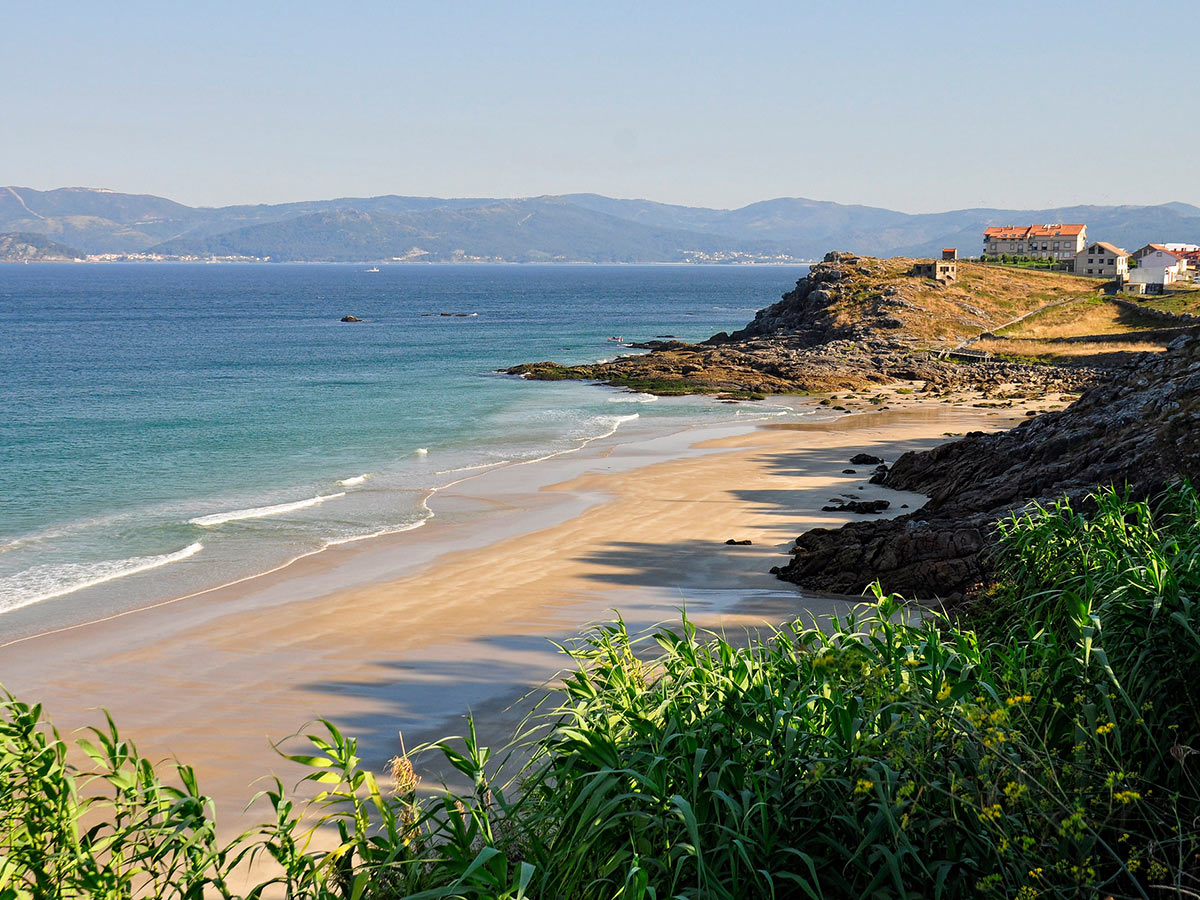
pixel 918 106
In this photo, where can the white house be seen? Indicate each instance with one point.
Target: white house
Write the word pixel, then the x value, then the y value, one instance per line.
pixel 1157 269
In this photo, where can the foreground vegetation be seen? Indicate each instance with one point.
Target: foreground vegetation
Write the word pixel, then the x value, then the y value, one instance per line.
pixel 1044 749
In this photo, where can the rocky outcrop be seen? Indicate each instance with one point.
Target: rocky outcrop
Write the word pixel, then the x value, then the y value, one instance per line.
pixel 806 314
pixel 838 329
pixel 777 366
pixel 867 507
pixel 1140 429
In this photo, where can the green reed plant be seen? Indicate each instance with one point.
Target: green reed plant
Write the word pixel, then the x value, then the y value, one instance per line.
pixel 115 829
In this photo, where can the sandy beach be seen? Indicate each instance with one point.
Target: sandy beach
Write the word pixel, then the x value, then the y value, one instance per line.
pixel 406 633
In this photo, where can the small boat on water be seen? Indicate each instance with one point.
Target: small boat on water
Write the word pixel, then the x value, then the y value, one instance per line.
pixel 373 269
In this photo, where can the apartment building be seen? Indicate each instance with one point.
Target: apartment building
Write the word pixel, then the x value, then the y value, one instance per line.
pixel 1060 242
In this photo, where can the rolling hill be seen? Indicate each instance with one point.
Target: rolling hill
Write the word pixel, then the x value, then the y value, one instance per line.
pixel 22 247
pixel 571 227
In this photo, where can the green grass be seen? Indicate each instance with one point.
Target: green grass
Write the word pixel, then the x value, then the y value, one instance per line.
pixel 1044 747
pixel 1184 300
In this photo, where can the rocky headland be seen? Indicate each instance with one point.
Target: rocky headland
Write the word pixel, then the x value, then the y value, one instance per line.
pixel 854 323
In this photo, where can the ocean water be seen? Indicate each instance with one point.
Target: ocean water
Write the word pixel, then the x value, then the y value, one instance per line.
pixel 169 428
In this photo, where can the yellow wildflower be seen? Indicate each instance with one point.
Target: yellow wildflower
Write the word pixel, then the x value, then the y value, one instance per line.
pixel 864 786
pixel 991 813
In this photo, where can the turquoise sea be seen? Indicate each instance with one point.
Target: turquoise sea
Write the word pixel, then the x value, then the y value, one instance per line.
pixel 168 428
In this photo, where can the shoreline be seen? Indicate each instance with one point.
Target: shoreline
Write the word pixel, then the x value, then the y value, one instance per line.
pixel 463 620
pixel 346 547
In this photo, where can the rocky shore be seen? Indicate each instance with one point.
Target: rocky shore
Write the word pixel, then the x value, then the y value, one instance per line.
pixel 859 323
pixel 1140 430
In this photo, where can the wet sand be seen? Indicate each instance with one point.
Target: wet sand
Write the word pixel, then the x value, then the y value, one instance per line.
pixel 406 633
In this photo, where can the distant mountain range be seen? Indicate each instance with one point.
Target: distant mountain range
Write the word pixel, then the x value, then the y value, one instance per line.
pixel 567 228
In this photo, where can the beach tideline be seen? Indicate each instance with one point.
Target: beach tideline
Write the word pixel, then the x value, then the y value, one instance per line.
pixel 408 632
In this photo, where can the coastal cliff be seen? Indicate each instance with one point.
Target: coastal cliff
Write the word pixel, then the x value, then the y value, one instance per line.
pixel 1139 430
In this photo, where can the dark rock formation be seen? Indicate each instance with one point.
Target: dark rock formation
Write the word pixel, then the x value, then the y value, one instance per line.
pixel 804 314
pixel 864 459
pixel 737 543
pixel 351 319
pixel 858 506
pixel 1140 430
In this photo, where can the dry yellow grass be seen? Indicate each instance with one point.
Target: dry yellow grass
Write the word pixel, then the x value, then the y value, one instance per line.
pixel 1048 350
pixel 983 298
pixel 1094 315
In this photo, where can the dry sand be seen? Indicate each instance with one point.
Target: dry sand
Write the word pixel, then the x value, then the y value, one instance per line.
pixel 408 632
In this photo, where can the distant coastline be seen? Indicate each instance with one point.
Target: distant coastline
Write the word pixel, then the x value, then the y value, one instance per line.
pixel 178 260
pixel 562 229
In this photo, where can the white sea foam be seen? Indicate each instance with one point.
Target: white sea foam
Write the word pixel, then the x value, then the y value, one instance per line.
pixel 763 412
pixel 260 512
pixel 633 398
pixel 47 581
pixel 356 480
pixel 422 451
pixel 396 529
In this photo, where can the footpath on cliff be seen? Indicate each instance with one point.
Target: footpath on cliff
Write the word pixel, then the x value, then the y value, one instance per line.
pixel 858 324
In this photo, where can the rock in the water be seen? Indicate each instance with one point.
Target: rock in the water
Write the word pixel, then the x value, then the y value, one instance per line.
pixel 849 471
pixel 880 475
pixel 737 543
pixel 351 319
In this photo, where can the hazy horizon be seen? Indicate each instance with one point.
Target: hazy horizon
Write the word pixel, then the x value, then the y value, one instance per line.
pixel 328 199
pixel 951 107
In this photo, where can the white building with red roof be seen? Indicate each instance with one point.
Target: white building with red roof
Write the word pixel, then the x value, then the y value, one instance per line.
pixel 1158 268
